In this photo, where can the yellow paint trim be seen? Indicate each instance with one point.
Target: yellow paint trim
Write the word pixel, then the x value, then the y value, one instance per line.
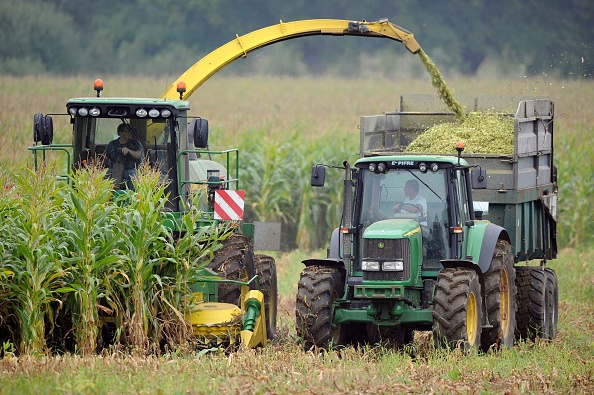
pixel 412 232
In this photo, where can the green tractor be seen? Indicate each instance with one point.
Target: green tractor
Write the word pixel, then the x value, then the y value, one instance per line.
pixel 436 242
pixel 162 134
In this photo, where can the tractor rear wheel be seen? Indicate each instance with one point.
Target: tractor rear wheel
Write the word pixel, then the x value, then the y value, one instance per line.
pixel 457 309
pixel 266 270
pixel 500 293
pixel 532 313
pixel 233 261
pixel 318 288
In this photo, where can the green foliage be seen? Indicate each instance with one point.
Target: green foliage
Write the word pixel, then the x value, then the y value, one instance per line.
pixel 76 259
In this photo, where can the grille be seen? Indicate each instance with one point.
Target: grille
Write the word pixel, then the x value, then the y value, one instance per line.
pixel 386 250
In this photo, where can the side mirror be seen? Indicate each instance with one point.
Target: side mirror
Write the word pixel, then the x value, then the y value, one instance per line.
pixel 318 176
pixel 199 129
pixel 479 179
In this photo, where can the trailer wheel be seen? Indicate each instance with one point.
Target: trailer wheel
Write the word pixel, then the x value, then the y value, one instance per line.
pixel 457 309
pixel 233 261
pixel 532 314
pixel 552 303
pixel 318 288
pixel 500 293
pixel 266 270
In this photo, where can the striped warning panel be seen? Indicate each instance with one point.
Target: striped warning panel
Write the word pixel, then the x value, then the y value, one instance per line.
pixel 228 205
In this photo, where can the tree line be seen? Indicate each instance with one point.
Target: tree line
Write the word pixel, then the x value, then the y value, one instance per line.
pixel 506 37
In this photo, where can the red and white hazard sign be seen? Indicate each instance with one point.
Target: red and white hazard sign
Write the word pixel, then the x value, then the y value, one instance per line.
pixel 228 205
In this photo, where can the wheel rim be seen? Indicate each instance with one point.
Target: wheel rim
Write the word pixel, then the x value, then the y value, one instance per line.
pixel 471 319
pixel 504 302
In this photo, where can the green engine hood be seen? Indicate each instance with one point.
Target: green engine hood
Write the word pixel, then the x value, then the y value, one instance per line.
pixel 392 229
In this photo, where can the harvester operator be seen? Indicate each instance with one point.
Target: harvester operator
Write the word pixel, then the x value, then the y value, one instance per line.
pixel 125 155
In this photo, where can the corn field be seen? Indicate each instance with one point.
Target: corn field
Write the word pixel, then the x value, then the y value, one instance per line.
pixel 82 269
pixel 283 126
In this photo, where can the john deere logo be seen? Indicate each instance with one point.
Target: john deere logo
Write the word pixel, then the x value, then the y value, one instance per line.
pixel 380 245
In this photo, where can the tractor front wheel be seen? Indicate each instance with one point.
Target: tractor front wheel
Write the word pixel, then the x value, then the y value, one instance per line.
pixel 266 270
pixel 457 309
pixel 318 288
pixel 233 261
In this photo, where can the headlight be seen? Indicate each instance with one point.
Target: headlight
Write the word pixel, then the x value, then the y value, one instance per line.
pixel 141 113
pixel 165 113
pixel 83 112
pixel 393 266
pixel 370 266
pixel 153 113
pixel 94 111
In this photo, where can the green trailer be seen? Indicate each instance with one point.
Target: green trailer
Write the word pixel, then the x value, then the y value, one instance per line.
pixel 450 242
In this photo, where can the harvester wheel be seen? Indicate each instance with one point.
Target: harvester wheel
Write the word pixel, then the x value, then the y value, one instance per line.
pixel 233 261
pixel 266 270
pixel 552 303
pixel 500 292
pixel 318 288
pixel 531 316
pixel 457 309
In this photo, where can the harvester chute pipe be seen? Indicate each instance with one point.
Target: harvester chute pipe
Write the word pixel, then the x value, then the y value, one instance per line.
pixel 206 67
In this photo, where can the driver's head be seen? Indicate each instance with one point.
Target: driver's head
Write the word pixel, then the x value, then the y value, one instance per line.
pixel 124 132
pixel 411 188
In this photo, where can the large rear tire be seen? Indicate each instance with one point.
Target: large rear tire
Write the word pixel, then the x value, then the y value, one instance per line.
pixel 500 293
pixel 266 270
pixel 233 261
pixel 532 313
pixel 318 288
pixel 457 309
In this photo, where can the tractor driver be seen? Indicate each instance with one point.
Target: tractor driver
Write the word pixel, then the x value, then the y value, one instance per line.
pixel 125 155
pixel 414 203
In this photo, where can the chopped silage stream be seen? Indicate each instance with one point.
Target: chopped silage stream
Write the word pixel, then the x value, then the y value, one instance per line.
pixel 481 133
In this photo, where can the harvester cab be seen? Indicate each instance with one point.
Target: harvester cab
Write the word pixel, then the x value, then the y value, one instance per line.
pixel 121 134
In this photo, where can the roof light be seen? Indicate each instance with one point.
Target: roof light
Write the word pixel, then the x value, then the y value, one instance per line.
pixel 153 113
pixel 83 112
pixel 423 167
pixel 181 89
pixel 372 167
pixel 72 111
pixel 98 86
pixel 141 113
pixel 94 111
pixel 165 113
pixel 434 167
pixel 381 167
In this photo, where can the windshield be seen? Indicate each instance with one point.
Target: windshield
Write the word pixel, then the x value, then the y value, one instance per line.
pixel 402 191
pixel 122 142
pixel 409 194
